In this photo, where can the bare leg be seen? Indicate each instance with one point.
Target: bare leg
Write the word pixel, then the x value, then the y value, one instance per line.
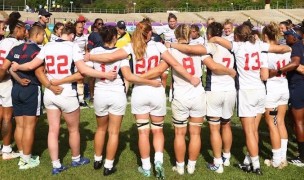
pixel 72 120
pixel 53 116
pixel 113 130
pixel 195 138
pixel 28 135
pixel 7 125
pixel 100 135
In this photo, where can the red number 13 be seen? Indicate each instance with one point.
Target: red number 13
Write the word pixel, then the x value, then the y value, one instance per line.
pixel 257 66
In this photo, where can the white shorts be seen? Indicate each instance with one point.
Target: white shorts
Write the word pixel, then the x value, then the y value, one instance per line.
pixel 251 102
pixel 221 104
pixel 106 102
pixel 6 93
pixel 274 99
pixel 147 99
pixel 183 109
pixel 66 104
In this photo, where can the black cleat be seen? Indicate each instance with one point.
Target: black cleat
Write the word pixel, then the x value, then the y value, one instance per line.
pixel 257 171
pixel 97 164
pixel 245 167
pixel 107 171
pixel 83 104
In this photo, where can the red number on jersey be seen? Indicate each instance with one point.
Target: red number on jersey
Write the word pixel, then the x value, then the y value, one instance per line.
pixel 61 67
pixel 103 69
pixel 254 56
pixel 50 65
pixel 140 67
pixel 189 65
pixel 281 64
pixel 2 52
pixel 228 60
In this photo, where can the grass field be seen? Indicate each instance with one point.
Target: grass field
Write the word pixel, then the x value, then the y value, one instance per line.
pixel 128 159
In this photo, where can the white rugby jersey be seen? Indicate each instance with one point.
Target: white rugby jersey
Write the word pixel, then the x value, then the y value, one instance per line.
pixel 169 35
pixel 81 41
pixel 249 62
pixel 277 61
pixel 54 38
pixel 230 37
pixel 59 58
pixel 5 46
pixel 196 41
pixel 150 60
pixel 216 82
pixel 182 88
pixel 115 85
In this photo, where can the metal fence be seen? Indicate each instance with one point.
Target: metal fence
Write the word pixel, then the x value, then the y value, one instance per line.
pixel 151 10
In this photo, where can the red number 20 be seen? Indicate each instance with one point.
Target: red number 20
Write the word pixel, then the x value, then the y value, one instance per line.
pixel 61 67
pixel 140 67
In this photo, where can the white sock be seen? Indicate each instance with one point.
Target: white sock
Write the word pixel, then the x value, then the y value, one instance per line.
pixel 56 163
pixel 170 95
pixel 191 163
pixel 181 165
pixel 255 162
pixel 77 158
pixel 227 155
pixel 284 143
pixel 276 157
pixel 159 156
pixel 247 159
pixel 146 164
pixel 21 152
pixel 6 149
pixel 26 158
pixel 97 158
pixel 218 161
pixel 109 164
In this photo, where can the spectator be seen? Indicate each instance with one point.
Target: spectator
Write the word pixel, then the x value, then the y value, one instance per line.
pixel 57 31
pixel 44 18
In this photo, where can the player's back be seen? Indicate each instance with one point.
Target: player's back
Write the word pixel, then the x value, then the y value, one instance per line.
pixel 193 65
pixel 5 46
pixel 216 82
pixel 116 84
pixel 151 58
pixel 249 62
pixel 59 59
pixel 277 61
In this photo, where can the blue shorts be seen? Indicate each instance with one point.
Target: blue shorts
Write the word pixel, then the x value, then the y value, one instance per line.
pixel 26 100
pixel 296 92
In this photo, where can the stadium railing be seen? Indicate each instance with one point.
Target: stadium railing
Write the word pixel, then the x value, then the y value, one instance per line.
pixel 152 10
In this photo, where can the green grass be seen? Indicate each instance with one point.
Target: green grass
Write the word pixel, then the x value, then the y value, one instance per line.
pixel 128 159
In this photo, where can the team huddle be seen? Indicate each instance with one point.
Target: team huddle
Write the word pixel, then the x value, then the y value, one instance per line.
pixel 247 71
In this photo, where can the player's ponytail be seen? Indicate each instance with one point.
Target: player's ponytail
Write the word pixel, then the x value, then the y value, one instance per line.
pixel 243 34
pixel 13 22
pixel 182 32
pixel 140 38
pixel 272 31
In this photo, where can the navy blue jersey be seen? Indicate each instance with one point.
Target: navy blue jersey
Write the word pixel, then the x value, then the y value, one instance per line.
pixel 24 53
pixel 297 50
pixel 94 40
